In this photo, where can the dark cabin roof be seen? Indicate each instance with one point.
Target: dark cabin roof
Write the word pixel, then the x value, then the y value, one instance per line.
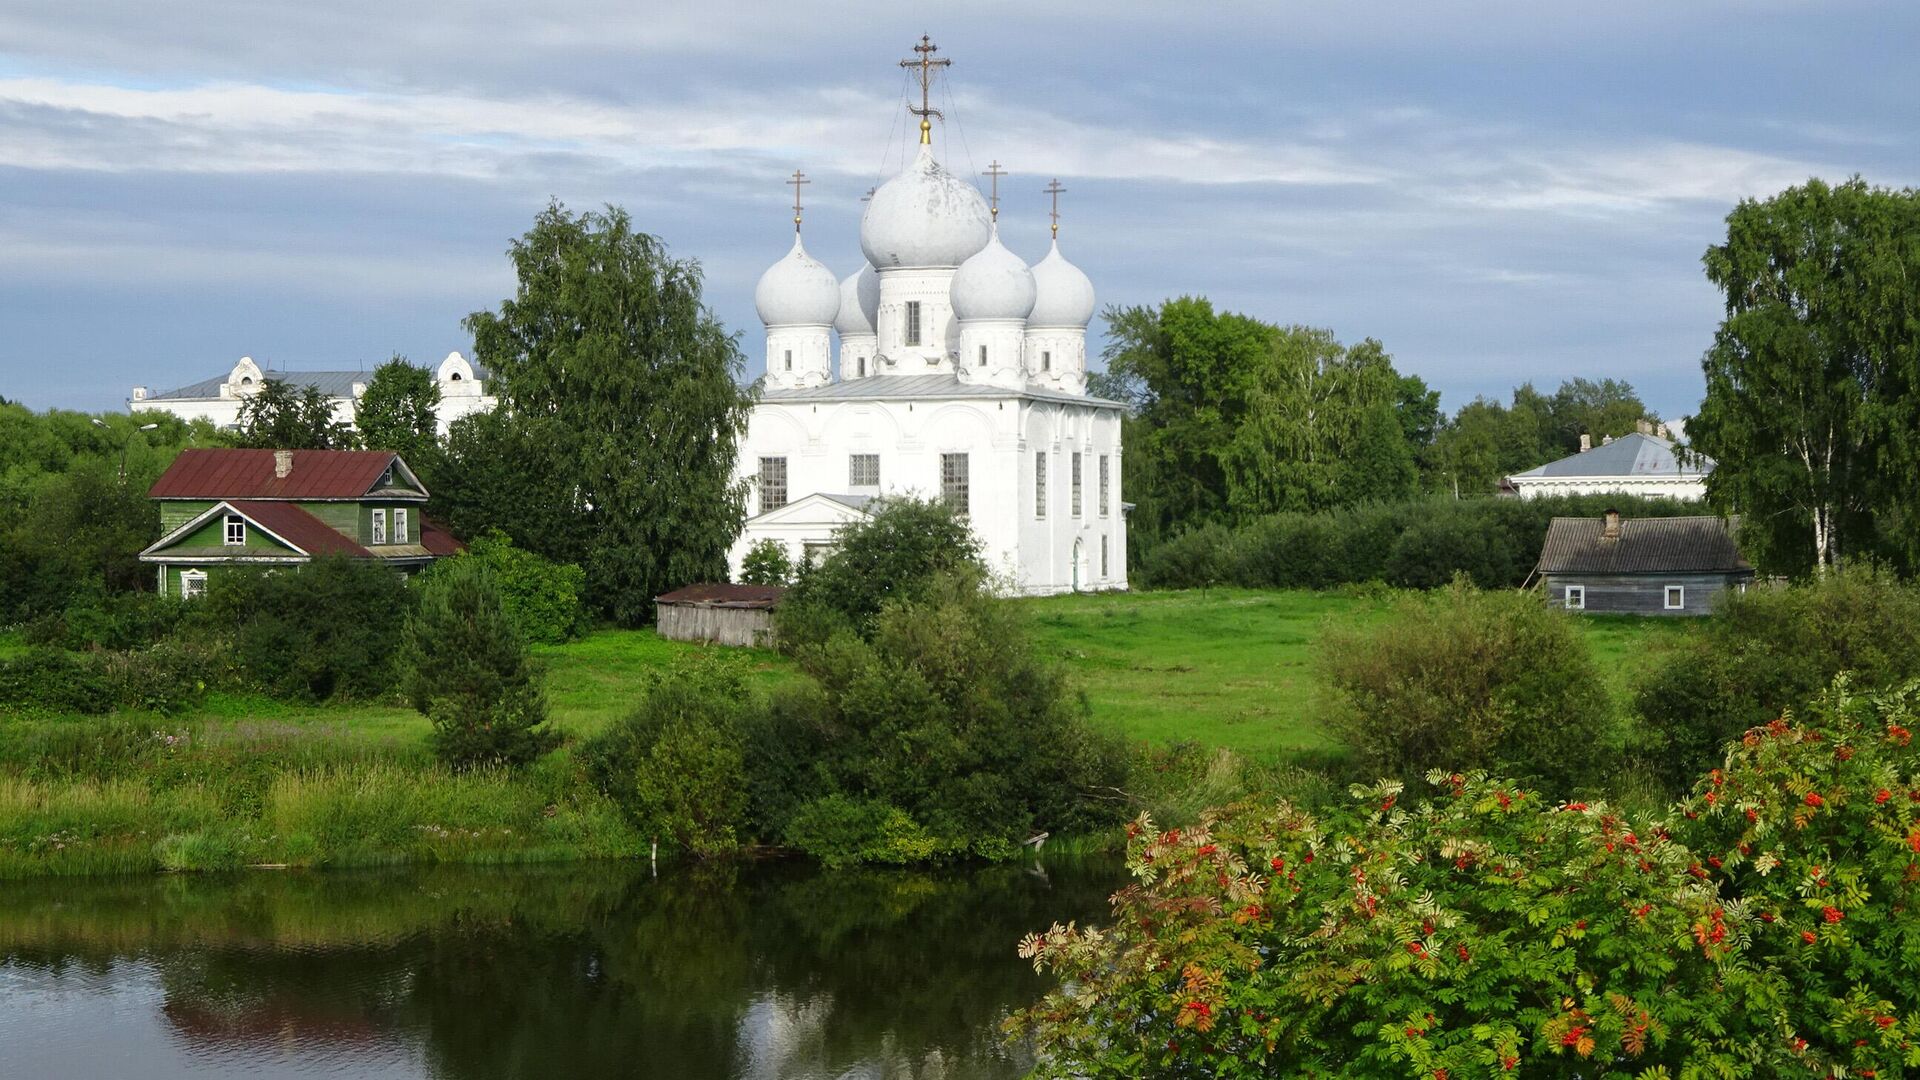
pixel 724 595
pixel 248 474
pixel 1674 545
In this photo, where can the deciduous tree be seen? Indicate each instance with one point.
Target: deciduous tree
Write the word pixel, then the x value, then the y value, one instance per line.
pixel 280 417
pixel 398 412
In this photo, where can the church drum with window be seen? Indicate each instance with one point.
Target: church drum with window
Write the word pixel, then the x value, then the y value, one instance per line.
pixel 961 375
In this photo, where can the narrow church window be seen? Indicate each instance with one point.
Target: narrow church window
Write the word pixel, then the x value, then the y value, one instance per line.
pixel 1073 503
pixel 236 531
pixel 863 470
pixel 1105 473
pixel 983 356
pixel 789 359
pixel 1040 483
pixel 773 483
pixel 1046 360
pixel 1103 556
pixel 379 526
pixel 913 322
pixel 953 481
pixel 399 525
pixel 863 367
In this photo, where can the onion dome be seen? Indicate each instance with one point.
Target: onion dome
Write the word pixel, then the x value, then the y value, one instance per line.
pixel 1062 294
pixel 926 216
pixel 797 291
pixel 859 302
pixel 993 284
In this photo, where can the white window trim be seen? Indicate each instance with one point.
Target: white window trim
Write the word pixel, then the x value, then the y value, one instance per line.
pixel 1668 597
pixel 400 524
pixel 379 530
pixel 1575 598
pixel 227 524
pixel 193 583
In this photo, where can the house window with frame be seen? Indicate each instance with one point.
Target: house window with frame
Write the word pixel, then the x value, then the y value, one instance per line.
pixel 193 584
pixel 400 524
pixel 1575 598
pixel 863 470
pixel 773 483
pixel 1040 484
pixel 1073 493
pixel 236 531
pixel 953 482
pixel 912 335
pixel 1106 474
pixel 1676 597
pixel 380 526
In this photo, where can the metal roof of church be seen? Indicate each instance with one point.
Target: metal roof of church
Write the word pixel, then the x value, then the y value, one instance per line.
pixel 334 384
pixel 1636 454
pixel 936 387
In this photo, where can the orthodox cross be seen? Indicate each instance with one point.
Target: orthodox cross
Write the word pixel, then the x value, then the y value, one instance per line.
pixel 926 63
pixel 994 170
pixel 798 179
pixel 1054 189
pixel 868 197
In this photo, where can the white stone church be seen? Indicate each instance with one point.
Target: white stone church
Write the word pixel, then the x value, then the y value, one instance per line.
pixel 960 373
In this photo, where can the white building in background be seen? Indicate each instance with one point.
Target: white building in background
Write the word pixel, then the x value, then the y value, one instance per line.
pixel 218 399
pixel 961 374
pixel 1642 463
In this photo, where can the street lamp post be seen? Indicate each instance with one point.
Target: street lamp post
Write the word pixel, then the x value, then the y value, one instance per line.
pixel 124 443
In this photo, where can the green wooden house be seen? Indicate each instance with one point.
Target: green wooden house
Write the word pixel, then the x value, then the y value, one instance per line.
pixel 222 508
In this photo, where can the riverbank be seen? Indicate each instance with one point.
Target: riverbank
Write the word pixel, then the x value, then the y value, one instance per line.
pixel 245 780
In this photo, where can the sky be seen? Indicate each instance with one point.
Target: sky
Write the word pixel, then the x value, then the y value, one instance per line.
pixel 1498 191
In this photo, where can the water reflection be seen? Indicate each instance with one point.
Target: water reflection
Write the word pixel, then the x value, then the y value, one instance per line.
pixel 577 971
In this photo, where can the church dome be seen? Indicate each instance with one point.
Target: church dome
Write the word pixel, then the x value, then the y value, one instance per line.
pixel 926 216
pixel 993 284
pixel 1062 294
pixel 859 302
pixel 797 291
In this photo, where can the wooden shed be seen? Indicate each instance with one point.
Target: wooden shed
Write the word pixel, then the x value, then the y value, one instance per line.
pixel 720 613
pixel 1642 566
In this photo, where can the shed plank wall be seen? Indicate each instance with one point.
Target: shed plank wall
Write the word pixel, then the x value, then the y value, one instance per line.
pixel 1640 595
pixel 720 625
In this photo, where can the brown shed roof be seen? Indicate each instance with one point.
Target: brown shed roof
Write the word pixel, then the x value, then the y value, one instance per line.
pixel 248 474
pixel 1675 545
pixel 722 594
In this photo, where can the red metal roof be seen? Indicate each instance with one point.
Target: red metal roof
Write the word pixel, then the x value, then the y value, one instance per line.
pixel 301 529
pixel 725 595
pixel 438 540
pixel 248 474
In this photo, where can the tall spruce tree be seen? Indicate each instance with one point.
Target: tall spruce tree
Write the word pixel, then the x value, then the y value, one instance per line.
pixel 609 363
pixel 1812 410
pixel 280 417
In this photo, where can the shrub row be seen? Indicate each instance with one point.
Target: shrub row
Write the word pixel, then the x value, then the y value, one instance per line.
pixel 1416 544
pixel 166 678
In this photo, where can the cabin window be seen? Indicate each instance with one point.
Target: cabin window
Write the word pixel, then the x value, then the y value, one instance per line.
pixel 1106 474
pixel 1046 360
pixel 953 481
pixel 1040 484
pixel 983 356
pixel 1576 598
pixel 399 525
pixel 236 531
pixel 773 483
pixel 787 359
pixel 1073 494
pixel 1676 597
pixel 863 470
pixel 913 322
pixel 193 583
pixel 380 526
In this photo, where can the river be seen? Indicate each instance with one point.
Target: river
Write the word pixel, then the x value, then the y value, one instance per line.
pixel 576 971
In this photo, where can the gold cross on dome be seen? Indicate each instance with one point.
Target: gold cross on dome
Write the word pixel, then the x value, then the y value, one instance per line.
pixel 798 179
pixel 926 63
pixel 994 170
pixel 1054 189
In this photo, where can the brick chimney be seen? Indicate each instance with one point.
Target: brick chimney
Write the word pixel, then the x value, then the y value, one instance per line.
pixel 1612 529
pixel 1586 443
pixel 282 464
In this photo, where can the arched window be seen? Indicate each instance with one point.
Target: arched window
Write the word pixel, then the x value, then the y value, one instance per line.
pixel 246 380
pixel 456 377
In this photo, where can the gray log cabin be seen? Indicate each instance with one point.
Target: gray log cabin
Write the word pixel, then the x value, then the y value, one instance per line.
pixel 1643 566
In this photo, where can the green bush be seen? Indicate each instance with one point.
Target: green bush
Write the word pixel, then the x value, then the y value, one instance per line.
pixel 676 765
pixel 1771 650
pixel 167 678
pixel 896 553
pixel 842 830
pixel 766 563
pixel 55 681
pixel 545 599
pixel 1470 679
pixel 109 621
pixel 327 630
pixel 465 666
